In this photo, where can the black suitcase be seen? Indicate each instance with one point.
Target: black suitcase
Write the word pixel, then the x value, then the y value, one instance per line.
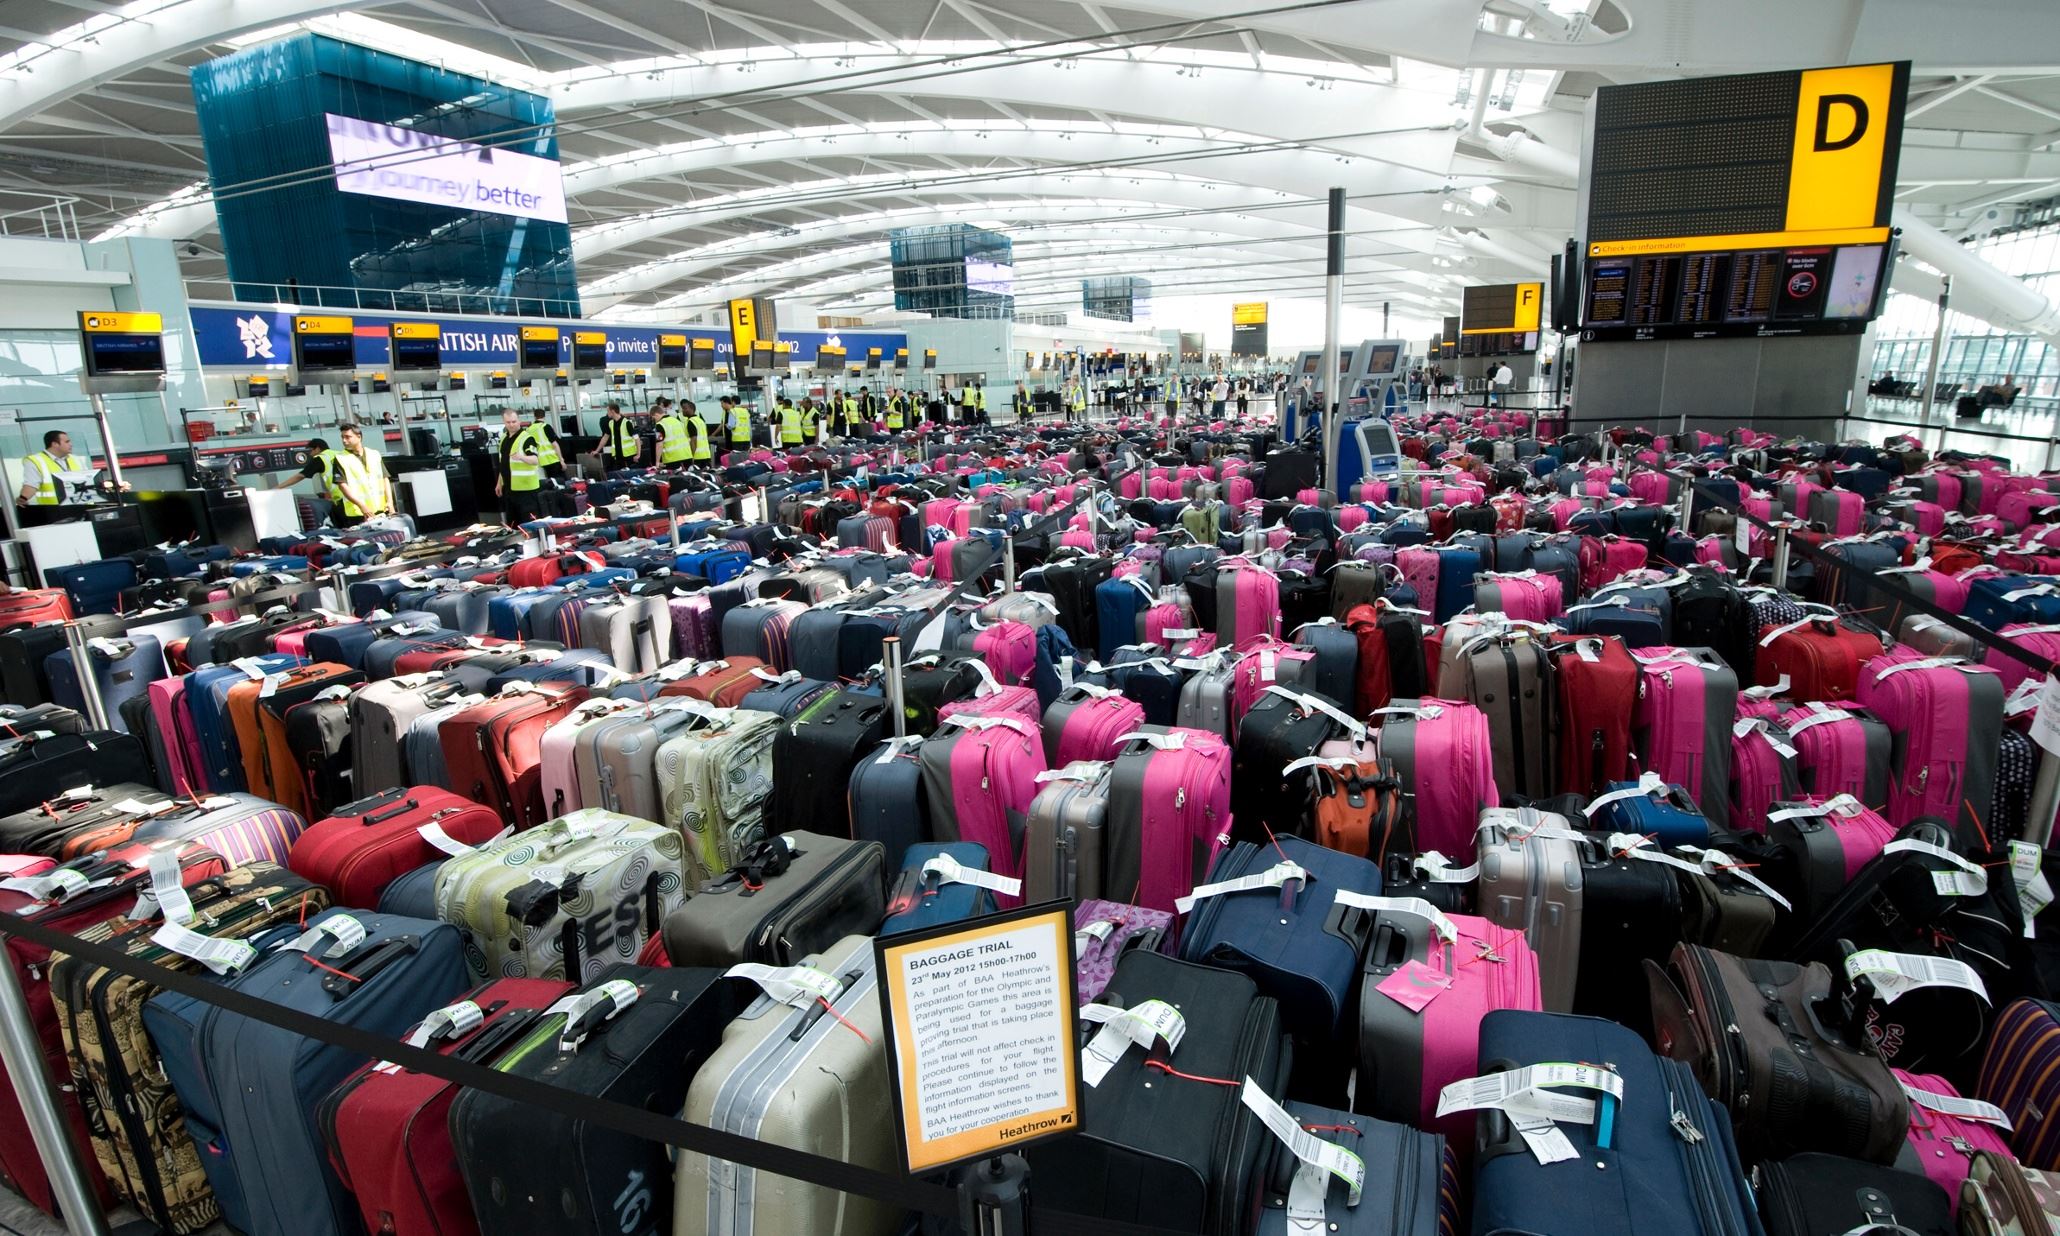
pixel 814 754
pixel 532 1172
pixel 1401 1193
pixel 34 770
pixel 319 736
pixel 1168 1151
pixel 22 680
pixel 1275 733
pixel 136 720
pixel 930 682
pixel 1823 1195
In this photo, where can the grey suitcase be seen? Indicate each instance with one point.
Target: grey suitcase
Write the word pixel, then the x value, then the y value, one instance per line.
pixel 422 748
pixel 1531 881
pixel 797 1077
pixel 380 715
pixel 634 631
pixel 1063 839
pixel 1353 582
pixel 616 757
pixel 1205 697
pixel 1934 638
pixel 788 895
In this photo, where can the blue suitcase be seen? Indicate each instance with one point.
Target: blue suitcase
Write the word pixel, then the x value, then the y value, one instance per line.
pixel 1118 603
pixel 1989 603
pixel 412 895
pixel 1670 819
pixel 584 667
pixel 96 587
pixel 505 611
pixel 916 900
pixel 1456 569
pixel 1139 673
pixel 785 696
pixel 1592 522
pixel 463 610
pixel 1405 1173
pixel 207 702
pixel 264 1083
pixel 123 667
pixel 345 643
pixel 887 800
pixel 1054 647
pixel 716 565
pixel 366 595
pixel 1298 945
pixel 381 654
pixel 1652 1177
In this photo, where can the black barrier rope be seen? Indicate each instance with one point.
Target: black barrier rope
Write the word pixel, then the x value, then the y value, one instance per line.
pixel 1980 634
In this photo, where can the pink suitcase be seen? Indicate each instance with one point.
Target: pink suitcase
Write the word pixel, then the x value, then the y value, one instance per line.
pixel 1169 813
pixel 176 732
pixel 1169 613
pixel 1088 723
pixel 1945 1144
pixel 693 626
pixel 1352 516
pixel 1936 706
pixel 558 780
pixel 1763 772
pixel 1443 758
pixel 997 701
pixel 2041 638
pixel 1839 750
pixel 1247 601
pixel 1009 649
pixel 1419 567
pixel 1523 595
pixel 979 772
pixel 1681 725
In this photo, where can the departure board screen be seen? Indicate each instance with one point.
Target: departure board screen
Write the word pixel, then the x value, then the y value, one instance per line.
pixel 1815 289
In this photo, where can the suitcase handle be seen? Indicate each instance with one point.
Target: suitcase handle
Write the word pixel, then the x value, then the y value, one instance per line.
pixel 381 817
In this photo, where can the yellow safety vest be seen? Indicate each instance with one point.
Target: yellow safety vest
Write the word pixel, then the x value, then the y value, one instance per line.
pixel 897 408
pixel 46 487
pixel 368 477
pixel 1079 400
pixel 740 424
pixel 620 436
pixel 673 444
pixel 790 425
pixel 546 449
pixel 977 397
pixel 524 477
pixel 697 436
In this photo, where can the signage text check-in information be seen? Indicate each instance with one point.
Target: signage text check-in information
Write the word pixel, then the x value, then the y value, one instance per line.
pixel 981 1028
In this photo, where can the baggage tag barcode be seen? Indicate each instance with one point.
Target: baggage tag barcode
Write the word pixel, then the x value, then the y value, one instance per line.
pixel 2034 891
pixel 1273 877
pixel 796 986
pixel 949 870
pixel 1144 1025
pixel 433 833
pixel 220 956
pixel 1955 1105
pixel 1533 1110
pixel 1967 880
pixel 167 891
pixel 1649 785
pixel 346 931
pixel 616 994
pixel 1320 1160
pixel 1438 869
pixel 1895 975
pixel 59 885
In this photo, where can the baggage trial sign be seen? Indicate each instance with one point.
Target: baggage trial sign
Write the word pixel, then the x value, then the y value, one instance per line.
pixel 980 1035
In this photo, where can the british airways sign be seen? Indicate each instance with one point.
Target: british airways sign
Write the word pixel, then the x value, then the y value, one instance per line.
pixel 242 338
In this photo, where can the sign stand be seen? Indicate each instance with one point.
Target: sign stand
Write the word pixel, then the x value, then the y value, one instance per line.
pixel 994 1197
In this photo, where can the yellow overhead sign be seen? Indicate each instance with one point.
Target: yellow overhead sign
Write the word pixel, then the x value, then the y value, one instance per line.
pixel 130 323
pixel 417 330
pixel 1510 309
pixel 590 336
pixel 321 326
pixel 539 332
pixel 698 343
pixel 677 341
pixel 1250 314
pixel 1746 240
pixel 1842 122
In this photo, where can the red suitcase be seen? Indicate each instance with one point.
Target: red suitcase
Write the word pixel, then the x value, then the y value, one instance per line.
pixel 30 606
pixel 374 841
pixel 388 1129
pixel 1597 680
pixel 1821 658
pixel 723 683
pixel 493 751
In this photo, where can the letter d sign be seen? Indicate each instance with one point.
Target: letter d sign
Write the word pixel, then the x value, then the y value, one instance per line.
pixel 1846 137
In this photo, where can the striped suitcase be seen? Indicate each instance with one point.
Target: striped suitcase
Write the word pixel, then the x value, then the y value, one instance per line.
pixel 2021 1074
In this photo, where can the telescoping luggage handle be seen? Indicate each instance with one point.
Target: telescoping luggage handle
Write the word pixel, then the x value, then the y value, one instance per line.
pixel 1319 1161
pixel 1529 1099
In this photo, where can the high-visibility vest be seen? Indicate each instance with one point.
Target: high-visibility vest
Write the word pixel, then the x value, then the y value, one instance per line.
pixel 977 398
pixel 850 411
pixel 673 445
pixel 619 436
pixel 697 436
pixel 46 486
pixel 523 477
pixel 1079 400
pixel 790 425
pixel 368 477
pixel 897 408
pixel 740 424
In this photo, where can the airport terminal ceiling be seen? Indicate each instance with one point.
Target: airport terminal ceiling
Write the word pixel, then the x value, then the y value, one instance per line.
pixel 713 150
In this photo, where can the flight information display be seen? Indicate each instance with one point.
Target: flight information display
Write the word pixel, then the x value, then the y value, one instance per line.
pixel 1501 319
pixel 1812 289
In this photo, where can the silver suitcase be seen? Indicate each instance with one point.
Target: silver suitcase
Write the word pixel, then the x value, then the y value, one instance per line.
pixel 1205 697
pixel 1531 881
pixel 1933 638
pixel 801 1078
pixel 635 632
pixel 1062 842
pixel 616 758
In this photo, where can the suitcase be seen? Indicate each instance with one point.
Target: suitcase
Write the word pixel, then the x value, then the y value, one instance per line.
pixel 564 900
pixel 1790 1073
pixel 615 757
pixel 924 894
pixel 1103 931
pixel 1840 750
pixel 1681 727
pixel 715 785
pixel 39 765
pixel 380 714
pixel 251 1089
pixel 1948 1131
pixel 1282 728
pixel 122 666
pixel 787 896
pixel 1821 659
pixel 1648 807
pixel 886 796
pixel 491 750
pixel 1065 834
pixel 635 1036
pixel 1670 1165
pixel 793 1076
pixel 814 755
pixel 1442 753
pixel 1827 843
pixel 1509 679
pixel 1946 717
pixel 239 827
pixel 1088 723
pixel 412 895
pixel 1595 680
pixel 366 845
pixel 1811 1193
pixel 1169 815
pixel 2019 1075
pixel 1409 1052
pixel 2001 1197
pixel 1400 1196
pixel 1161 1150
pixel 387 1128
pixel 1299 940
pixel 145 1149
pixel 979 775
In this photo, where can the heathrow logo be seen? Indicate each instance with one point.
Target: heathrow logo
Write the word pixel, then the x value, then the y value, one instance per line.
pixel 256 334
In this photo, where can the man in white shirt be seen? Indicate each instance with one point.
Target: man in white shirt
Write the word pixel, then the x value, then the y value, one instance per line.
pixel 1504 375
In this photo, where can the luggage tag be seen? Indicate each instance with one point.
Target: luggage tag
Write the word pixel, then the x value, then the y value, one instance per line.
pixel 1275 876
pixel 1769 691
pixel 136 806
pixel 1894 975
pixel 590 822
pixel 615 995
pixel 56 887
pixel 1535 1111
pixel 1447 930
pixel 1320 1160
pixel 220 956
pixel 1955 1105
pixel 1968 880
pixel 1311 704
pixel 167 891
pixel 794 986
pixel 1142 1025
pixel 345 930
pixel 250 667
pixel 433 833
pixel 949 870
pixel 1438 869
pixel 2034 892
pixel 1819 715
pixel 1775 738
pixel 1843 805
pixel 1650 785
pixel 1716 862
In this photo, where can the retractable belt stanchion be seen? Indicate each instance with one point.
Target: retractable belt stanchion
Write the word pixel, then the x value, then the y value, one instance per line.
pixel 994 1197
pixel 897 706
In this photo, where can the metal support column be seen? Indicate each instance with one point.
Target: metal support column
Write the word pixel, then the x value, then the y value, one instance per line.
pixel 1333 310
pixel 1938 347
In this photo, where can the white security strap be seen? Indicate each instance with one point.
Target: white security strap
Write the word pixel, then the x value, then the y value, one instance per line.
pixel 1309 703
pixel 1172 740
pixel 1340 763
pixel 1958 663
pixel 1715 862
pixel 1320 1160
pixel 972 722
pixel 797 986
pixel 1769 691
pixel 1955 1105
pixel 591 822
pixel 895 747
pixel 1777 632
pixel 1524 1096
pixel 1438 869
pixel 1273 877
pixel 777 679
pixel 1773 734
pixel 1968 880
pixel 1447 930
pixel 1897 974
pixel 1143 1025
pixel 220 956
pixel 453 1021
pixel 617 993
pixel 949 870
pixel 1086 772
pixel 433 833
pixel 1649 785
